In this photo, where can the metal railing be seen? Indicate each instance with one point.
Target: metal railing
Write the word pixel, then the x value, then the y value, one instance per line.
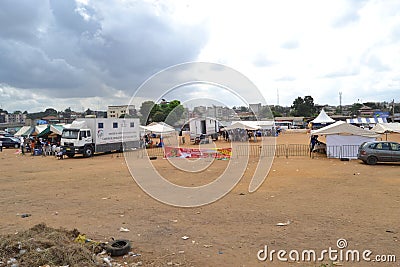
pixel 280 150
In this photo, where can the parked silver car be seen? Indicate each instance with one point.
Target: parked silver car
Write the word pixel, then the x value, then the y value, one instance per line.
pixel 385 151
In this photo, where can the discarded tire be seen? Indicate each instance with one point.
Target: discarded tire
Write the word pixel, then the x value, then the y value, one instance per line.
pixel 152 158
pixel 119 247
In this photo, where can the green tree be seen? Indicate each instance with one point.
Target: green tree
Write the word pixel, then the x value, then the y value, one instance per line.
pixel 268 113
pixel 50 112
pixel 355 108
pixel 303 106
pixel 147 110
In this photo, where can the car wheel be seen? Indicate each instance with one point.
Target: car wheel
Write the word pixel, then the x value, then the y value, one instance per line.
pixel 16 146
pixel 119 247
pixel 372 160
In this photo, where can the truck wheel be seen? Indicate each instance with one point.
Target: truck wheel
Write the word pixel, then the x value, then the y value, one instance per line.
pixel 372 160
pixel 88 152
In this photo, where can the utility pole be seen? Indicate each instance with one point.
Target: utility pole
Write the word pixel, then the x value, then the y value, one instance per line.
pixel 393 107
pixel 340 103
pixel 277 97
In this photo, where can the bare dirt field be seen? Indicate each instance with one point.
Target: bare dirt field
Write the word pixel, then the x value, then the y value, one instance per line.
pixel 323 199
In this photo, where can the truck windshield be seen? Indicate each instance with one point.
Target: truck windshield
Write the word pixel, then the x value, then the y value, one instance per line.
pixel 70 134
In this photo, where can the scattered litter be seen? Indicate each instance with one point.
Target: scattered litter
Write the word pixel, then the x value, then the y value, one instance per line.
pixel 175 221
pixel 181 252
pixel 24 215
pixel 185 237
pixel 104 198
pixel 108 261
pixel 284 224
pixel 198 212
pixel 11 261
pixel 220 252
pixel 132 254
pixel 390 231
pixel 356 173
pixel 207 246
pixel 169 263
pixel 242 194
pixel 336 263
pixel 122 229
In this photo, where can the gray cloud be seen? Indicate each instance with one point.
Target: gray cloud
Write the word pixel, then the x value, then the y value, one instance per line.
pixel 63 49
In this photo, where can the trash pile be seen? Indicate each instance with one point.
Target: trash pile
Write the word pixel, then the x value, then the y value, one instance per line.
pixel 48 247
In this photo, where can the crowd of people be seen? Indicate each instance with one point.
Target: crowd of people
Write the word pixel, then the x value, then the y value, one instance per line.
pixel 40 146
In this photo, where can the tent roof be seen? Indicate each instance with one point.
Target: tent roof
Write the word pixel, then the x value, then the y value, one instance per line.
pixel 159 128
pixel 366 120
pixel 323 118
pixel 247 125
pixel 41 130
pixel 57 129
pixel 343 128
pixel 24 131
pixel 387 128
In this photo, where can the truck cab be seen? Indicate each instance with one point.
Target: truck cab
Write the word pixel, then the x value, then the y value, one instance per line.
pixel 77 141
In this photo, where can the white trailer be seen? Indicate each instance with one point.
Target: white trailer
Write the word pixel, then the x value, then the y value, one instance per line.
pixel 207 127
pixel 93 135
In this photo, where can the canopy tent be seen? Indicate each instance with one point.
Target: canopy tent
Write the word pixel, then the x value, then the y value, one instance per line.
pixel 41 130
pixel 343 139
pixel 323 118
pixel 387 128
pixel 160 128
pixel 56 129
pixel 24 131
pixel 246 125
pixel 366 120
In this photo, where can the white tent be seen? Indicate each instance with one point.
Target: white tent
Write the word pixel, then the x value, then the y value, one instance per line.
pixel 250 125
pixel 246 125
pixel 343 139
pixel 39 129
pixel 24 131
pixel 323 118
pixel 387 128
pixel 160 128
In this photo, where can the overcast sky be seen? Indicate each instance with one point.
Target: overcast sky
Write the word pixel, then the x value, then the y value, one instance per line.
pixel 90 54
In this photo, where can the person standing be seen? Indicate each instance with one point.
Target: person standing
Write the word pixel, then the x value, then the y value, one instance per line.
pixel 1 146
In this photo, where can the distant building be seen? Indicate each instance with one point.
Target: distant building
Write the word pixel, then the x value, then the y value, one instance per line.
pixel 18 118
pixel 118 111
pixel 366 111
pixel 255 108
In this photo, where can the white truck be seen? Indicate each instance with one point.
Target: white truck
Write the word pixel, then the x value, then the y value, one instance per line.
pixel 203 128
pixel 91 135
